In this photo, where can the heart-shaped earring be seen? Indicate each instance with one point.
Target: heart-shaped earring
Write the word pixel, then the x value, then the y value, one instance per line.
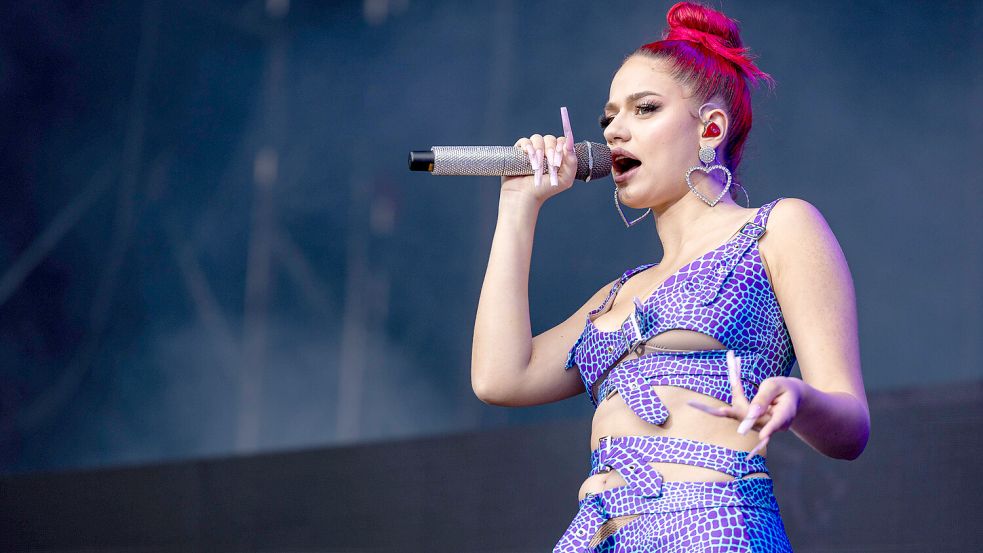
pixel 617 204
pixel 707 156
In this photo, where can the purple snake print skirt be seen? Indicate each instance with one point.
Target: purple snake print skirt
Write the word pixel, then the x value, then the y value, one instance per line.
pixel 736 515
pixel 691 517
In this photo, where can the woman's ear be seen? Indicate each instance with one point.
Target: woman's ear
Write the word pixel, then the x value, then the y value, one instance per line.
pixel 713 125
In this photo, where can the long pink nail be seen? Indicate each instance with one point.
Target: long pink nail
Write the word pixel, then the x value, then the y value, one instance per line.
pixel 532 158
pixel 701 407
pixel 756 449
pixel 558 158
pixel 752 415
pixel 538 180
pixel 550 155
pixel 567 130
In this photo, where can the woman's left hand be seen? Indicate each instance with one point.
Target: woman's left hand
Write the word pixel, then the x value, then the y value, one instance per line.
pixel 773 409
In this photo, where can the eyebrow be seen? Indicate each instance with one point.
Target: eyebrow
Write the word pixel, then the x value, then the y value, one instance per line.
pixel 631 98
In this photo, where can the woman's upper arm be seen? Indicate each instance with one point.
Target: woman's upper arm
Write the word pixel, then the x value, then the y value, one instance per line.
pixel 546 379
pixel 814 287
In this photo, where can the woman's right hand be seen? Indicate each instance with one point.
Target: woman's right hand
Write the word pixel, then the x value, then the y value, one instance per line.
pixel 555 163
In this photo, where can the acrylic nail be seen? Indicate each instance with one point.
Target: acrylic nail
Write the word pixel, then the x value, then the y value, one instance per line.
pixel 532 157
pixel 538 168
pixel 697 405
pixel 752 415
pixel 756 449
pixel 558 157
pixel 705 408
pixel 550 154
pixel 567 130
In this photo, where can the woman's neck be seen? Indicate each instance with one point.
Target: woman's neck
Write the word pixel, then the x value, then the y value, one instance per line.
pixel 685 224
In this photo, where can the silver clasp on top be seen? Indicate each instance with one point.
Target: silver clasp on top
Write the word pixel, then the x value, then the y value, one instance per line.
pixel 635 338
pixel 602 449
pixel 752 230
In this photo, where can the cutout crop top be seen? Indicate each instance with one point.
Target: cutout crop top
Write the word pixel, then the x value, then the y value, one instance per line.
pixel 725 293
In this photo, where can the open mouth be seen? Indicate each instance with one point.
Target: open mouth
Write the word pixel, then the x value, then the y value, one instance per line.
pixel 623 164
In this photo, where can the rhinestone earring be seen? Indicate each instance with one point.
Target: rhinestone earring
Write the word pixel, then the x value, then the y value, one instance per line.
pixel 617 204
pixel 747 199
pixel 707 156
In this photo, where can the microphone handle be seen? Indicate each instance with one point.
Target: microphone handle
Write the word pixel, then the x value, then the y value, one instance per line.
pixel 593 161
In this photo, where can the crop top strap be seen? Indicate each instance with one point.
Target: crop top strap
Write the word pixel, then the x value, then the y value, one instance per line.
pixel 590 316
pixel 617 286
pixel 731 255
pixel 761 218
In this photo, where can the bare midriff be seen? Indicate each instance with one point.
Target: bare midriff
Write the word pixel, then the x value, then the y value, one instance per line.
pixel 614 418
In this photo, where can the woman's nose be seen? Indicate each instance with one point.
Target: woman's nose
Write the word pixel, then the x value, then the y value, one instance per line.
pixel 615 131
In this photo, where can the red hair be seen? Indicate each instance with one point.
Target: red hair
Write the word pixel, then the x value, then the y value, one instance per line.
pixel 705 52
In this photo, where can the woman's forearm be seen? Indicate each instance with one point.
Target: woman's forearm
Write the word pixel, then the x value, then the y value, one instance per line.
pixel 835 424
pixel 502 332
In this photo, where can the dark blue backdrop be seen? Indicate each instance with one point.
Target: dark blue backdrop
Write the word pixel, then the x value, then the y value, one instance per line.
pixel 210 242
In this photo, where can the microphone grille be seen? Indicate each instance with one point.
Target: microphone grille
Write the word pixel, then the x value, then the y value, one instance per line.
pixel 593 160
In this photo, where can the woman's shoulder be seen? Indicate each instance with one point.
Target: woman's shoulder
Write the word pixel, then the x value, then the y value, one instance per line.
pixel 795 217
pixel 796 228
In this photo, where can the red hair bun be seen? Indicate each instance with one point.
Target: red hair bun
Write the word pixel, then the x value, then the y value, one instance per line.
pixel 715 31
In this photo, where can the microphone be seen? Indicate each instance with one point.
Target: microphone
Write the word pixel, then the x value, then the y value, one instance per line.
pixel 593 161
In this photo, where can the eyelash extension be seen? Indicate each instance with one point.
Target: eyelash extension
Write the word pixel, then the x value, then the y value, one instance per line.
pixel 640 109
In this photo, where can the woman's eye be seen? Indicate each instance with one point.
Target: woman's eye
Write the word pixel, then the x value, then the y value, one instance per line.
pixel 640 109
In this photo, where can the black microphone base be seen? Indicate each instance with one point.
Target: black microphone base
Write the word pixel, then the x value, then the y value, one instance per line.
pixel 422 161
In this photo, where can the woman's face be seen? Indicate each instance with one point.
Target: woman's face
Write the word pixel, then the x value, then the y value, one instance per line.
pixel 650 118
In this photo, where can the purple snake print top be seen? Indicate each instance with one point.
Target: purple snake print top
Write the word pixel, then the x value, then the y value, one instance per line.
pixel 725 294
